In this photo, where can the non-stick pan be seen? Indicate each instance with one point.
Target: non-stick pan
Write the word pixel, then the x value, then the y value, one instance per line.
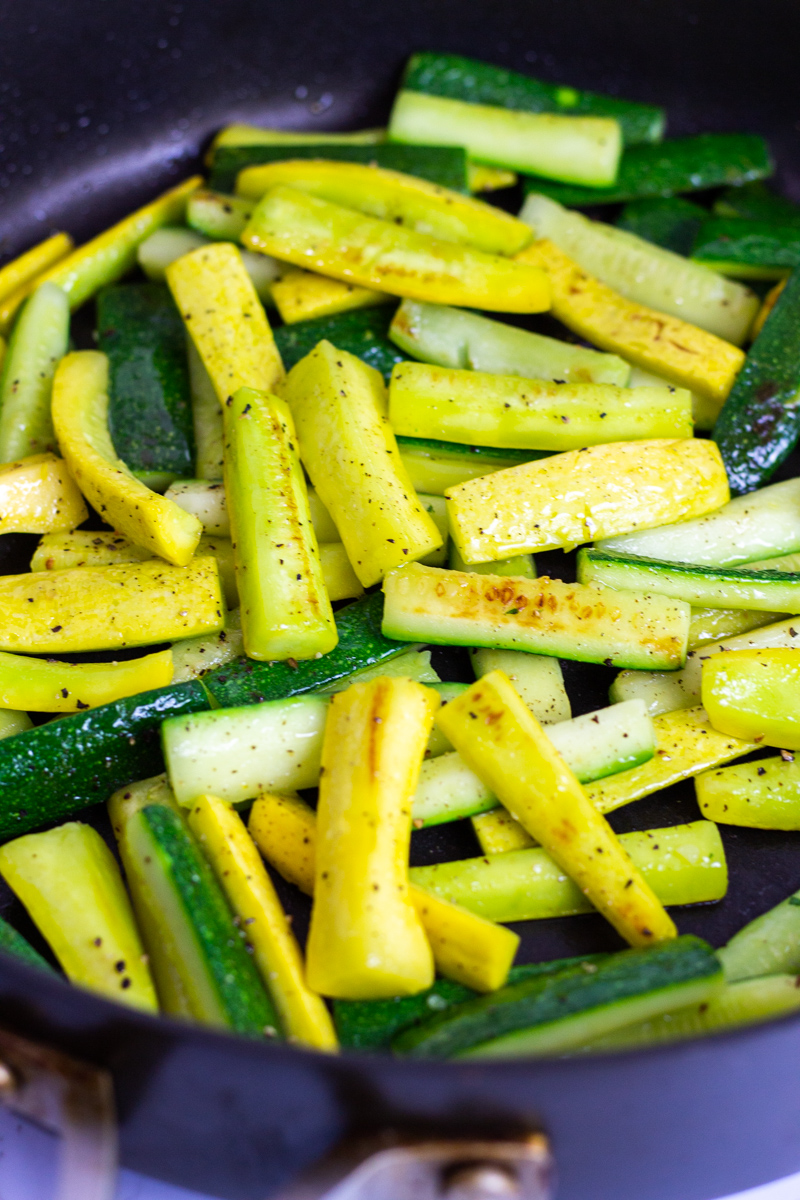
pixel 102 104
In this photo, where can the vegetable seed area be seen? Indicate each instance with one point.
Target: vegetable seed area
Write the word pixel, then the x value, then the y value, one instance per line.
pixel 397 611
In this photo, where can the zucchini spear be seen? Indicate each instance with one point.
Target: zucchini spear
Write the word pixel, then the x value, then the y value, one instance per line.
pixel 466 948
pixel 348 448
pixel 39 685
pixel 252 896
pixel 755 695
pixel 373 253
pixel 37 344
pixel 286 612
pixel 80 417
pixel 499 737
pixel 19 277
pixel 71 886
pixel 366 940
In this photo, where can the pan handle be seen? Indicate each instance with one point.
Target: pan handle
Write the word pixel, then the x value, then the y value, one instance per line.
pixel 69 1098
pixel 431 1170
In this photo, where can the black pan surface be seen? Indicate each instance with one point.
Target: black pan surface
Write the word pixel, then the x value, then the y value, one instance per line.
pixel 102 106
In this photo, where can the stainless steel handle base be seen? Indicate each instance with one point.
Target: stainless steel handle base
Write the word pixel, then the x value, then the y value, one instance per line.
pixel 69 1098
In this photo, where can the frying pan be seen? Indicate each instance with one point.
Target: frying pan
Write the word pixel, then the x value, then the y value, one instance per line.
pixel 101 106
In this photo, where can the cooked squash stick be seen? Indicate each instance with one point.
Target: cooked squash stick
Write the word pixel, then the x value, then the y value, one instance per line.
pixel 542 616
pixel 302 295
pixel 19 277
pixel 366 940
pixel 71 886
pixel 349 450
pixel 683 354
pixel 91 548
pixel 686 744
pixel 341 581
pixel 466 948
pixel 753 695
pixel 38 495
pixel 285 608
pixel 225 319
pixel 108 608
pixel 239 869
pixel 39 685
pixel 478 408
pixel 584 495
pixel 394 196
pixel 500 739
pixel 37 344
pixel 80 417
pixel 336 241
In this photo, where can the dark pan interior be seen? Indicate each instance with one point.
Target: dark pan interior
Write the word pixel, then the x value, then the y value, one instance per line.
pixel 102 106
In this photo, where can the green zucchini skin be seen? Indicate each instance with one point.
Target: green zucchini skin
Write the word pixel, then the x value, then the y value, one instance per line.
pixel 496 457
pixel 459 78
pixel 372 1024
pixel 363 332
pixel 667 221
pixel 755 202
pixel 243 1002
pixel 759 424
pixel 753 246
pixel 361 644
pixel 50 773
pixel 444 165
pixel 677 165
pixel 15 945
pixel 722 587
pixel 549 999
pixel 149 408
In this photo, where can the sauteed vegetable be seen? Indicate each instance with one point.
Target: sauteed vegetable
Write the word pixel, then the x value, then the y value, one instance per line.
pixel 316 439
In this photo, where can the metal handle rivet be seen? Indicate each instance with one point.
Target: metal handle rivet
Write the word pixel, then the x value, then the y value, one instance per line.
pixel 480 1181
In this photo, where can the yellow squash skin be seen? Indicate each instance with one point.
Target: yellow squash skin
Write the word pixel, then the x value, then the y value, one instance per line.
pixel 302 295
pixel 71 886
pixel 686 744
pixel 39 685
pixel 366 940
pixel 100 548
pixel 80 418
pixel 754 695
pixel 466 948
pixel 285 608
pixel 38 495
pixel 764 794
pixel 681 353
pixel 108 608
pixel 341 581
pixel 349 450
pixel 544 616
pixel 394 196
pixel 19 277
pixel 337 241
pixel 500 739
pixel 225 319
pixel 239 868
pixel 584 495
pixel 112 253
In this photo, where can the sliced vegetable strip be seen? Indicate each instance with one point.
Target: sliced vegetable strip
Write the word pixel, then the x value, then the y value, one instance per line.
pixel 377 254
pixel 466 948
pixel 348 448
pixel 686 744
pixel 499 737
pixel 105 608
pixel 305 296
pixel 19 277
pixel 769 945
pixel 38 685
pixel 251 893
pixel 38 495
pixel 225 319
pixel 584 495
pixel 286 612
pixel 391 196
pixel 71 886
pixel 755 695
pixel 758 795
pixel 680 353
pixel 39 340
pixel 366 940
pixel 80 417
